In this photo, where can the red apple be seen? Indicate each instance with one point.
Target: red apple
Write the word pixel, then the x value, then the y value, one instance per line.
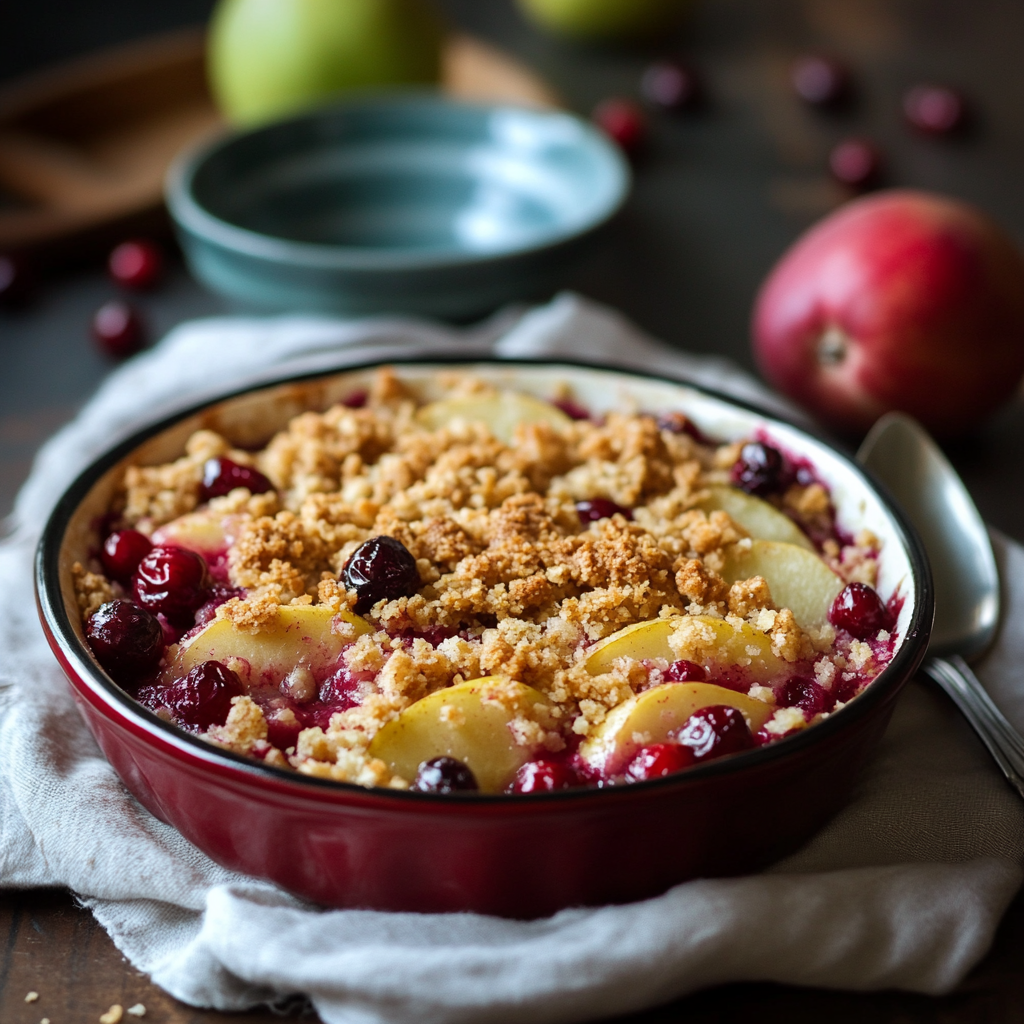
pixel 900 300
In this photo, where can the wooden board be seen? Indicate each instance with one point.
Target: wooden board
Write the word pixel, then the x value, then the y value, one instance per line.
pixel 84 148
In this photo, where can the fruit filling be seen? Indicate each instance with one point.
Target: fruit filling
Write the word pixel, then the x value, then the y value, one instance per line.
pixel 488 593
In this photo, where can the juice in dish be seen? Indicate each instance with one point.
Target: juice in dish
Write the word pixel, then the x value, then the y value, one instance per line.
pixel 492 592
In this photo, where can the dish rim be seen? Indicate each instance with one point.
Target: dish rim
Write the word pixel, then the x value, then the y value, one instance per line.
pixel 74 653
pixel 192 216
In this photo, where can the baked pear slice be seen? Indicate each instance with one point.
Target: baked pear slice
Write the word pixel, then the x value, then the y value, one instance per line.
pixel 798 578
pixel 311 636
pixel 202 532
pixel 718 644
pixel 472 722
pixel 760 519
pixel 500 413
pixel 652 717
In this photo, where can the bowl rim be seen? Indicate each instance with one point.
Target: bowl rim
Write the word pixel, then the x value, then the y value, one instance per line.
pixel 75 656
pixel 193 217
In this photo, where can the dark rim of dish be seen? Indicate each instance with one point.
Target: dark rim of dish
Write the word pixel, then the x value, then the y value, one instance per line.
pixel 51 603
pixel 195 218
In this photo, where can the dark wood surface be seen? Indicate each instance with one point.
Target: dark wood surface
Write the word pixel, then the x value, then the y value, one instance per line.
pixel 719 195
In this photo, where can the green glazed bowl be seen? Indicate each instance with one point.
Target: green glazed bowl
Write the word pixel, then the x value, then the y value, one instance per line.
pixel 407 204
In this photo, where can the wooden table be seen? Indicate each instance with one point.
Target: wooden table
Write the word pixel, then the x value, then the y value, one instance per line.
pixel 719 195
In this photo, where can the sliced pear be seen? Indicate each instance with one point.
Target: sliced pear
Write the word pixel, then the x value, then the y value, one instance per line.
pixel 757 517
pixel 500 413
pixel 798 578
pixel 651 717
pixel 717 644
pixel 470 722
pixel 307 635
pixel 198 531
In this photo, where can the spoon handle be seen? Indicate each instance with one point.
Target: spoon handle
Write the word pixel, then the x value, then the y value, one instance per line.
pixel 1003 741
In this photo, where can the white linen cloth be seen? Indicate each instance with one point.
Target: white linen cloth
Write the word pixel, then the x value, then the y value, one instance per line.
pixel 903 889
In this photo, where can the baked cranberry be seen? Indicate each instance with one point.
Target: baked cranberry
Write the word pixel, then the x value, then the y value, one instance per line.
pixel 170 580
pixel 760 469
pixel 340 690
pixel 934 109
pixel 121 553
pixel 819 80
pixel 806 694
pixel 572 409
pixel 381 568
pixel 670 85
pixel 444 775
pixel 356 399
pixel 600 508
pixel 657 760
pixel 684 672
pixel 221 476
pixel 543 776
pixel 126 640
pixel 856 162
pixel 118 329
pixel 623 122
pixel 677 423
pixel 218 594
pixel 136 264
pixel 203 698
pixel 283 733
pixel 715 731
pixel 859 610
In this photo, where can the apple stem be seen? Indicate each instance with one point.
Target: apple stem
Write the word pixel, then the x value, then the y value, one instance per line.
pixel 832 346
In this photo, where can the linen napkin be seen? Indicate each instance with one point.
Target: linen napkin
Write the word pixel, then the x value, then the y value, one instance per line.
pixel 903 889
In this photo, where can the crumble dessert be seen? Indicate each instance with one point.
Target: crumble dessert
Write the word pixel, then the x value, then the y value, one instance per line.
pixel 490 592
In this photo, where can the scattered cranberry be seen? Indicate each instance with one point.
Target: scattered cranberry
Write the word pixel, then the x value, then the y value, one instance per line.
pixel 126 640
pixel 543 776
pixel 340 691
pixel 671 85
pixel 859 610
pixel 623 122
pixel 136 264
pixel 572 409
pixel 171 580
pixel 856 162
pixel 356 399
pixel 934 109
pixel 760 469
pixel 677 423
pixel 203 698
pixel 381 568
pixel 820 81
pixel 221 476
pixel 121 553
pixel 16 279
pixel 806 694
pixel 600 508
pixel 118 329
pixel 684 672
pixel 715 731
pixel 657 760
pixel 444 775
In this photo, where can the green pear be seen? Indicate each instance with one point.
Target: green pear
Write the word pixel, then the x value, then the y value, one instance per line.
pixel 606 19
pixel 271 58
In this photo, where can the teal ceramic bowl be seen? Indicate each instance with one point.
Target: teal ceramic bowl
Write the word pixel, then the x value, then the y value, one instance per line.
pixel 410 204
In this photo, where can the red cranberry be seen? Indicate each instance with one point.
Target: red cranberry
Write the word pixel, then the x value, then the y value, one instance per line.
pixel 217 595
pixel 714 731
pixel 806 694
pixel 543 776
pixel 16 279
pixel 170 580
pixel 283 734
pixel 136 264
pixel 856 162
pixel 381 568
pixel 859 610
pixel 657 760
pixel 623 122
pixel 126 640
pixel 671 85
pixel 572 409
pixel 600 508
pixel 121 553
pixel 203 698
pixel 444 775
pixel 340 691
pixel 684 672
pixel 677 423
pixel 221 476
pixel 118 329
pixel 356 399
pixel 760 469
pixel 818 80
pixel 934 109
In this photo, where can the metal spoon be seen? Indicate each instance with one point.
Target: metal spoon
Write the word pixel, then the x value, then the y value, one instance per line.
pixel 966 579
